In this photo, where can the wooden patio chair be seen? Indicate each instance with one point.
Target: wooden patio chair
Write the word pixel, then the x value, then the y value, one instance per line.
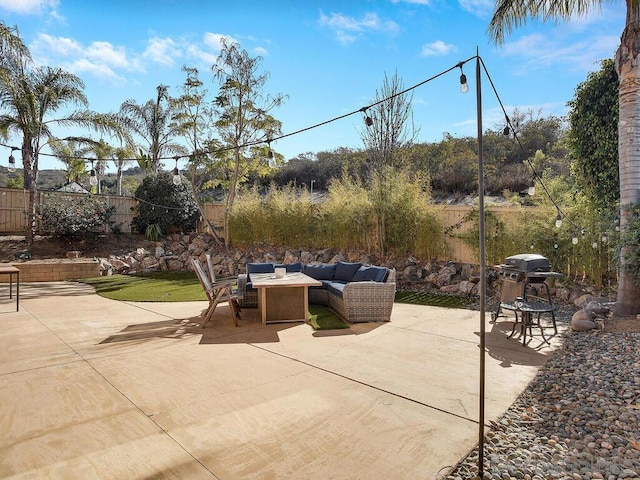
pixel 220 290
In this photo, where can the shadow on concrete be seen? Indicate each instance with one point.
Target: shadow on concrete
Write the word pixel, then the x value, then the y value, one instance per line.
pixel 510 351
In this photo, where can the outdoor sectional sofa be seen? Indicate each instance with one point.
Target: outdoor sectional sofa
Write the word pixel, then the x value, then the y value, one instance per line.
pixel 356 292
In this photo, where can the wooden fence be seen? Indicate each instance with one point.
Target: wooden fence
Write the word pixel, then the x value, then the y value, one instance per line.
pixel 14 202
pixel 14 205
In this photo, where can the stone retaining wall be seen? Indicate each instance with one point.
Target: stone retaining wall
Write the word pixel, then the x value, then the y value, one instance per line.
pixel 175 251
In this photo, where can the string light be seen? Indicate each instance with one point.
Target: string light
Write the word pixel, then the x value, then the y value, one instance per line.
pixel 12 160
pixel 531 190
pixel 507 131
pixel 177 179
pixel 270 157
pixel 93 179
pixel 464 86
pixel 574 240
pixel 559 220
pixel 368 121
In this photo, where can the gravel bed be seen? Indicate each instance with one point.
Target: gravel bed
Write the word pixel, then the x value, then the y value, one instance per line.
pixel 579 419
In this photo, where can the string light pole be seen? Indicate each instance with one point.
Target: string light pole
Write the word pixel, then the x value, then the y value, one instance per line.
pixel 483 270
pixel 464 88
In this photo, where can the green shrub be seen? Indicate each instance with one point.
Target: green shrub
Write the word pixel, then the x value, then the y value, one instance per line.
pixel 74 215
pixel 162 203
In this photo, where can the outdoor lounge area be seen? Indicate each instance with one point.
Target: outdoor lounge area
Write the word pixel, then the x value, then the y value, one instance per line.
pixel 356 292
pixel 97 388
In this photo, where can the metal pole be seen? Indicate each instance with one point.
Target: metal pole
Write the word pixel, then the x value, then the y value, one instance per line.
pixel 483 271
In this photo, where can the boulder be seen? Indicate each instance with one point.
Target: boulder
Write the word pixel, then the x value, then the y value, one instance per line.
pixel 582 321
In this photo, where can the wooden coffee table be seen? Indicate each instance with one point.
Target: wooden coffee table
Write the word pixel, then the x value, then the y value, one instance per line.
pixel 283 299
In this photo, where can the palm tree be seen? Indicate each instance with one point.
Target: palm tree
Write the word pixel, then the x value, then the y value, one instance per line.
pixel 28 99
pixel 513 13
pixel 72 153
pixel 154 123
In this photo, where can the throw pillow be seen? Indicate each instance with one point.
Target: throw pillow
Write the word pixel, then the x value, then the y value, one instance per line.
pixel 320 271
pixel 345 271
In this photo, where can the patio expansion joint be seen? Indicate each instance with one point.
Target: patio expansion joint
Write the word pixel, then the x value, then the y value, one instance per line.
pixel 368 385
pixel 83 359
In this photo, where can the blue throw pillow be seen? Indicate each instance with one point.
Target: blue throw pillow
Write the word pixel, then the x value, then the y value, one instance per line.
pixel 370 274
pixel 291 267
pixel 345 271
pixel 320 271
pixel 259 268
pixel 378 274
pixel 362 275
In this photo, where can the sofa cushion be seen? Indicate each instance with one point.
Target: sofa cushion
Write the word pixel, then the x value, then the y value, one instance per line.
pixel 320 271
pixel 337 288
pixel 259 268
pixel 371 274
pixel 345 271
pixel 290 267
pixel 324 286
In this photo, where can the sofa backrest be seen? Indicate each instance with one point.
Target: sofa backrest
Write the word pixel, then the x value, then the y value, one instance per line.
pixel 349 272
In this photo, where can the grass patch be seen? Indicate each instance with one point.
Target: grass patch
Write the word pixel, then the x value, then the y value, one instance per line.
pixel 323 318
pixel 166 286
pixel 432 299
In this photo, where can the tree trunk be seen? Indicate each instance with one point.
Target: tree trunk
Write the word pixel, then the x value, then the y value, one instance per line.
pixel 232 195
pixel 30 184
pixel 628 301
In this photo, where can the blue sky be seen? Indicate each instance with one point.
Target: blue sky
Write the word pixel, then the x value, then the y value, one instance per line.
pixel 328 57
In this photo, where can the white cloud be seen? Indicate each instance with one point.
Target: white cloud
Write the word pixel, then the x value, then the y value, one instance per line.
pixel 348 29
pixel 261 51
pixel 479 8
pixel 28 7
pixel 162 51
pixel 538 52
pixel 214 41
pixel 100 59
pixel 437 48
pixel 95 69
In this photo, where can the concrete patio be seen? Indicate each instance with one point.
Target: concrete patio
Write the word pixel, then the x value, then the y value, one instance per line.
pixel 101 389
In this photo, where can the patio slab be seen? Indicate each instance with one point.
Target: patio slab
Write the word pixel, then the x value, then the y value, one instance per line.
pixel 95 388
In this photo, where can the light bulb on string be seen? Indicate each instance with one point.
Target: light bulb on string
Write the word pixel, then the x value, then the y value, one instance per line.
pixel 594 245
pixel 507 131
pixel 270 157
pixel 368 121
pixel 177 179
pixel 604 238
pixel 574 240
pixel 93 179
pixel 555 244
pixel 464 86
pixel 12 161
pixel 559 220
pixel 531 190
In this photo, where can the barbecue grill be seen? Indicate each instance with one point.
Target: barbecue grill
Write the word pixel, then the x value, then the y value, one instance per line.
pixel 519 272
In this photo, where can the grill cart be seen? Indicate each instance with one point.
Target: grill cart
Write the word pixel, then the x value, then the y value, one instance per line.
pixel 523 284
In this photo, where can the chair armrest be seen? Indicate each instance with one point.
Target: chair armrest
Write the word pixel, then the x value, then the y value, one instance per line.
pixel 369 301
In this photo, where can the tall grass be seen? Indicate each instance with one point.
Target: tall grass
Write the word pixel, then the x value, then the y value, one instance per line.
pixel 393 215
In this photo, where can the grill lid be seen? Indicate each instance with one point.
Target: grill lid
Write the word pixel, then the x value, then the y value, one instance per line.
pixel 527 262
